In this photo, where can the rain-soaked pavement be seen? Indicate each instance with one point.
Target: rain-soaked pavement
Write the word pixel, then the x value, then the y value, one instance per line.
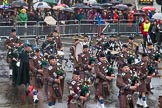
pixel 14 97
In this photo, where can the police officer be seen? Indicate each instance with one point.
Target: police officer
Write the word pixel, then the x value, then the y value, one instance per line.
pixel 79 92
pixel 49 46
pixel 126 88
pixel 104 76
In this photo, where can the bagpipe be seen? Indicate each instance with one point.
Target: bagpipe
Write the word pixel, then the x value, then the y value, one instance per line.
pixel 84 88
pixel 109 71
pixel 131 59
pixel 44 65
pixel 60 72
pixel 134 80
pixel 157 56
pixel 150 69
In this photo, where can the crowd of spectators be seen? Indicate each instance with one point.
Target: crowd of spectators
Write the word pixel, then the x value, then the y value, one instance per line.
pixel 13 16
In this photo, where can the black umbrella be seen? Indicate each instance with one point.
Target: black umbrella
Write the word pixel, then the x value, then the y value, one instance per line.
pixel 116 3
pixel 10 10
pixel 97 7
pixel 106 4
pixel 139 14
pixel 128 4
pixel 121 7
pixel 81 5
pixel 68 10
pixel 19 3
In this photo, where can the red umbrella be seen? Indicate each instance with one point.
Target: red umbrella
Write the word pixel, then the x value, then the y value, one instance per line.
pixel 63 5
pixel 149 8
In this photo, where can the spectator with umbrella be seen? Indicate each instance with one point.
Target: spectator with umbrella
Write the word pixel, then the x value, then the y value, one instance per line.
pixel 159 26
pixel 153 31
pixel 23 16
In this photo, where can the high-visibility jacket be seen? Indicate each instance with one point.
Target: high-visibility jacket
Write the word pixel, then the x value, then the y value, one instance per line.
pixel 146 27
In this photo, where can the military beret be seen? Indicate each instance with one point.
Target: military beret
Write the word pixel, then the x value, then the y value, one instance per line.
pixel 131 38
pixel 85 35
pixel 144 54
pixel 76 72
pixel 55 31
pixel 50 35
pixel 13 30
pixel 37 50
pixel 85 46
pixel 123 65
pixel 149 44
pixel 102 54
pixel 124 46
pixel 112 36
pixel 51 57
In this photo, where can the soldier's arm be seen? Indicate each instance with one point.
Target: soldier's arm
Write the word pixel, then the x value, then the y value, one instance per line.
pixel 71 90
pixel 10 54
pixel 80 61
pixel 32 67
pixel 119 60
pixel 72 51
pixel 99 73
pixel 59 44
pixel 120 82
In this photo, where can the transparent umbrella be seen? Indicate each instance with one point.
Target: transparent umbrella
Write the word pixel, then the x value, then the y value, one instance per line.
pixel 157 16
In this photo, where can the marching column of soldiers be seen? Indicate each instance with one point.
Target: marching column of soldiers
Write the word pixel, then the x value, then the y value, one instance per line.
pixel 96 65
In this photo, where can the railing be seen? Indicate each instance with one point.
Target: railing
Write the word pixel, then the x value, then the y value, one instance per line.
pixel 70 27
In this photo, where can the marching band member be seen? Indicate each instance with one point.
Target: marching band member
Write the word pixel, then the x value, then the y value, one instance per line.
pixel 103 78
pixel 122 56
pixel 58 41
pixel 9 44
pixel 49 46
pixel 55 78
pixel 145 75
pixel 72 53
pixel 79 92
pixel 83 61
pixel 36 74
pixel 109 47
pixel 126 87
pixel 132 47
pixel 24 69
pixel 14 54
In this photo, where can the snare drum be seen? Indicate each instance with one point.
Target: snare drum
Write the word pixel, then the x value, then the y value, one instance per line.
pixel 78 50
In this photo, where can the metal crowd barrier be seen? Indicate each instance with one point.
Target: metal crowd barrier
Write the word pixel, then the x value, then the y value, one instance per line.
pixel 71 27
